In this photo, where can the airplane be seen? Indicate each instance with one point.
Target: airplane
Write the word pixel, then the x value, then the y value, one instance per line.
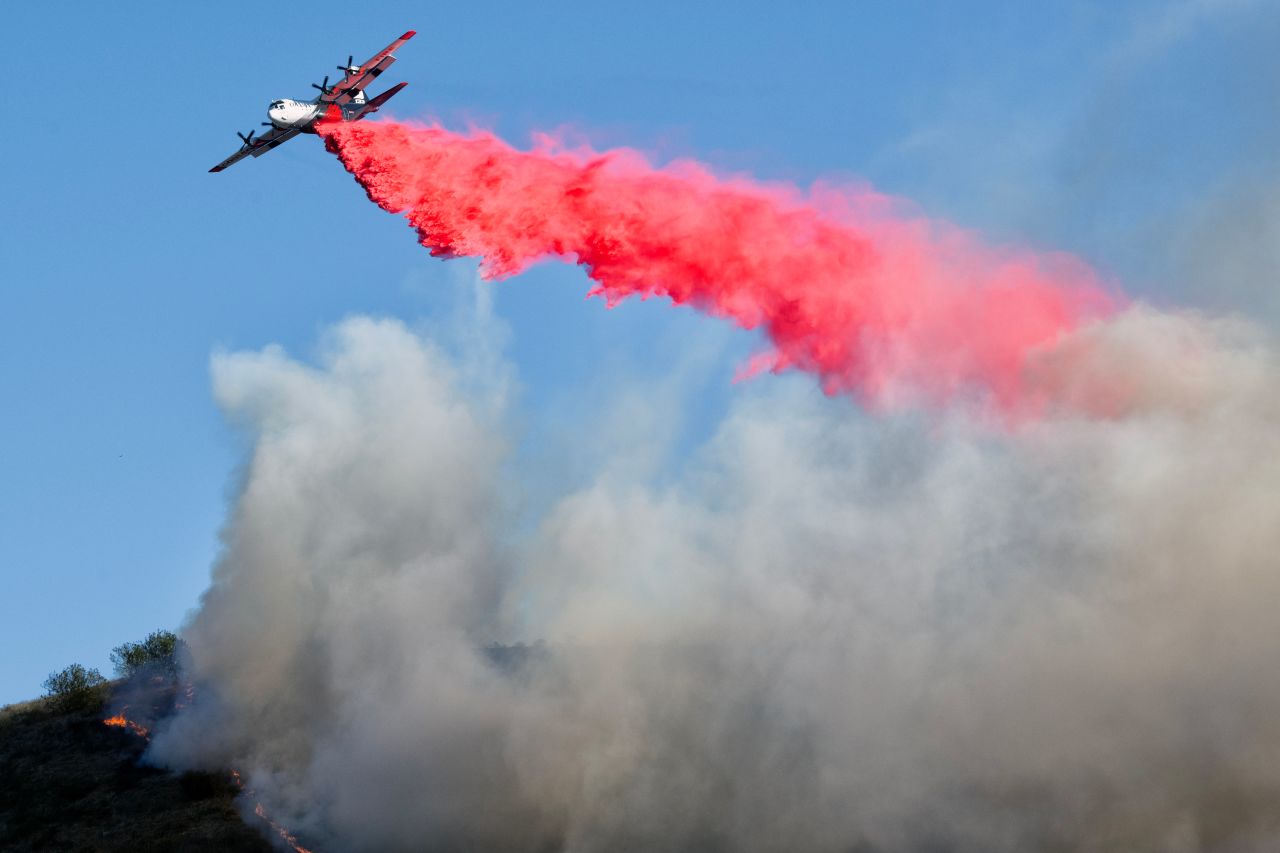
pixel 343 101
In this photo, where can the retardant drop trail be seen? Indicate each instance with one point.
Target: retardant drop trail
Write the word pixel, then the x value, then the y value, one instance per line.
pixel 887 307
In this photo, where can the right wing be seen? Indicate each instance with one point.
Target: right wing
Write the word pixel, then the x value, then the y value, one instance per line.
pixel 345 90
pixel 259 146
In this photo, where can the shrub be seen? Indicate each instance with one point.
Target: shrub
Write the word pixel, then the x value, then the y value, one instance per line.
pixel 158 652
pixel 75 687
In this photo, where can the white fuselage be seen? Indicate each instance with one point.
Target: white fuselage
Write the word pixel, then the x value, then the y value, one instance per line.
pixel 286 112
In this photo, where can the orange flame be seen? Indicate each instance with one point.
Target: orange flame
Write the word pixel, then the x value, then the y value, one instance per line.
pixel 188 696
pixel 291 840
pixel 261 811
pixel 123 722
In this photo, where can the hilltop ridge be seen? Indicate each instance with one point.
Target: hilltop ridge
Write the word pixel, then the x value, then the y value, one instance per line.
pixel 73 783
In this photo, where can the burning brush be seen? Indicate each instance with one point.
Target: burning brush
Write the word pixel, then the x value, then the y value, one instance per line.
pixel 183 698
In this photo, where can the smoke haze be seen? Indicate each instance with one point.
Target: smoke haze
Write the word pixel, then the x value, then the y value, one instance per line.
pixel 901 626
pixel 828 632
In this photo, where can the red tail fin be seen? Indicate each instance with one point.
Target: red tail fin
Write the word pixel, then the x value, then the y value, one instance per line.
pixel 372 106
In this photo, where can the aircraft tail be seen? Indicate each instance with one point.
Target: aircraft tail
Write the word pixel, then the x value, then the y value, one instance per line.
pixel 372 106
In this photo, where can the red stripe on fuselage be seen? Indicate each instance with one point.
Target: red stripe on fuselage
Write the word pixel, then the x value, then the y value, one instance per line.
pixel 332 113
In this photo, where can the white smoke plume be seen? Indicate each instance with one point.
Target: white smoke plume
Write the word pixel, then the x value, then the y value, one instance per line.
pixel 828 632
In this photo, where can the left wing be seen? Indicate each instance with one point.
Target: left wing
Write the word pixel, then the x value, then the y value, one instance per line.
pixel 344 90
pixel 259 146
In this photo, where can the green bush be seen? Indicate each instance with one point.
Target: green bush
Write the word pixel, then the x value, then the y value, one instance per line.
pixel 75 687
pixel 158 652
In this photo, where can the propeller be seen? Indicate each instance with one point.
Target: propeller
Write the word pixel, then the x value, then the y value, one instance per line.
pixel 247 140
pixel 267 124
pixel 348 68
pixel 324 87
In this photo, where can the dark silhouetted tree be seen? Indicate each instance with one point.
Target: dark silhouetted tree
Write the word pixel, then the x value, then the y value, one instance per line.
pixel 75 687
pixel 158 653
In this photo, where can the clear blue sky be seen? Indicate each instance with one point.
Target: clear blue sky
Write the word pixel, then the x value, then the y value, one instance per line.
pixel 1141 135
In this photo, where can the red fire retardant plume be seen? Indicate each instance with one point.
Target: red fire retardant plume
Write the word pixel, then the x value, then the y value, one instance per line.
pixel 890 308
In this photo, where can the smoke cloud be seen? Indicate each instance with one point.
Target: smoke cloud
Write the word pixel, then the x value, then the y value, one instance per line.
pixel 828 632
pixel 832 629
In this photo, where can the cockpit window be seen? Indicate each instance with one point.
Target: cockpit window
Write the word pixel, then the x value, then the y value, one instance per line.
pixel 275 105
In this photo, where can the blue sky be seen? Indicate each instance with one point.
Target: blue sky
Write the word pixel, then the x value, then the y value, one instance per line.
pixel 1140 135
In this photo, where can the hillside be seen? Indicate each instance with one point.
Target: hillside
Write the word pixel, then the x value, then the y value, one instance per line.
pixel 72 783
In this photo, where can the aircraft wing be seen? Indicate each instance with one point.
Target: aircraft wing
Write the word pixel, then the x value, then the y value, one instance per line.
pixel 259 146
pixel 344 90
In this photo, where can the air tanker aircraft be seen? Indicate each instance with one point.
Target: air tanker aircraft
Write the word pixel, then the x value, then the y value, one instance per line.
pixel 343 101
